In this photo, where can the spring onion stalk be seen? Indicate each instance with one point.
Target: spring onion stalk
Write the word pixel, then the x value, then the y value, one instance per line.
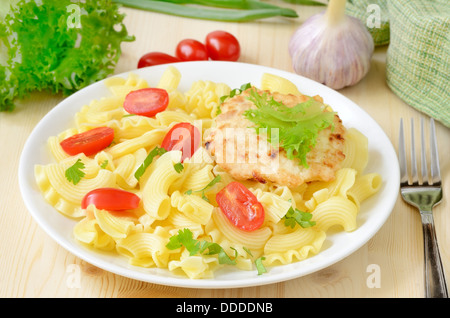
pixel 237 4
pixel 228 11
pixel 306 2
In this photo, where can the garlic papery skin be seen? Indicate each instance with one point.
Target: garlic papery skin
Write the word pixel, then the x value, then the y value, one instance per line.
pixel 332 48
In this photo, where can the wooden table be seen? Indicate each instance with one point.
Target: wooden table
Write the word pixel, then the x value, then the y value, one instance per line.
pixel 33 265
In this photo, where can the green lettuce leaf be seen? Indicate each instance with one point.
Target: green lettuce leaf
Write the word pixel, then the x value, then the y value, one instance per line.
pixel 295 129
pixel 58 46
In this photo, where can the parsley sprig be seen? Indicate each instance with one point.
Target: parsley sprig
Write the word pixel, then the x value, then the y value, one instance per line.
pixel 178 167
pixel 295 216
pixel 185 238
pixel 74 173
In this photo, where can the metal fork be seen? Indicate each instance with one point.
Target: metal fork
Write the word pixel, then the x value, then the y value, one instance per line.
pixel 424 193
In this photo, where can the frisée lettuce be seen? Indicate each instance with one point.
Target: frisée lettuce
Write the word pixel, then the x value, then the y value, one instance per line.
pixel 59 46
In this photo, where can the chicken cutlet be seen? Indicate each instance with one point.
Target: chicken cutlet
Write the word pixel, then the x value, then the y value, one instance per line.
pixel 246 155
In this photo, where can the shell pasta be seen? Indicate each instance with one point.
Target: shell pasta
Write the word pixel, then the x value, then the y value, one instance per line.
pixel 178 225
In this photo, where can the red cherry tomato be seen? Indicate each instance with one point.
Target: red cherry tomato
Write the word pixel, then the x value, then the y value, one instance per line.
pixel 240 206
pixel 191 50
pixel 156 58
pixel 184 137
pixel 146 101
pixel 111 199
pixel 89 142
pixel 222 46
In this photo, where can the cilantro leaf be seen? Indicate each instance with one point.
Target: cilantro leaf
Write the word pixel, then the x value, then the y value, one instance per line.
pixel 74 173
pixel 178 167
pixel 185 238
pixel 295 216
pixel 295 129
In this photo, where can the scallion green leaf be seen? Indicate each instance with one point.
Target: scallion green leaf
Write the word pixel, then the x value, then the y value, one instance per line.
pixel 180 8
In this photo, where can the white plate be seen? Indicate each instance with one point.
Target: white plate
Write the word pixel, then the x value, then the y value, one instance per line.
pixel 374 212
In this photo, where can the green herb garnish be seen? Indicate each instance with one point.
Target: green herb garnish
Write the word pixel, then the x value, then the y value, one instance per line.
pixel 185 238
pixel 235 91
pixel 295 216
pixel 295 129
pixel 178 167
pixel 157 151
pixel 209 185
pixel 74 173
pixel 259 265
pixel 232 93
pixel 104 164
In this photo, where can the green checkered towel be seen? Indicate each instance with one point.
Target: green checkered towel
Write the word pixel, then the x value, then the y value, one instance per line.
pixel 418 56
pixel 418 34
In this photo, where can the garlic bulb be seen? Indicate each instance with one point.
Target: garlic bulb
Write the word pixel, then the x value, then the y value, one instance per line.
pixel 332 48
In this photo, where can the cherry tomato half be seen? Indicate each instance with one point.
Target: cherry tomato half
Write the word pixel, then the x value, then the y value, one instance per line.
pixel 146 101
pixel 89 142
pixel 222 46
pixel 156 58
pixel 191 50
pixel 183 136
pixel 111 199
pixel 240 206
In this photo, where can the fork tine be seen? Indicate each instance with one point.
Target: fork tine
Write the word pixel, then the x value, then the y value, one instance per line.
pixel 423 158
pixel 402 155
pixel 414 177
pixel 434 167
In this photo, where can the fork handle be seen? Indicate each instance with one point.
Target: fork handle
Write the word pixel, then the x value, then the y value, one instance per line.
pixel 435 285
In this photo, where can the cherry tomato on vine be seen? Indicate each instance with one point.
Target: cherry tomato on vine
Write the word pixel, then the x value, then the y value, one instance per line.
pixel 156 58
pixel 182 136
pixel 240 206
pixel 191 50
pixel 89 142
pixel 111 199
pixel 222 46
pixel 146 101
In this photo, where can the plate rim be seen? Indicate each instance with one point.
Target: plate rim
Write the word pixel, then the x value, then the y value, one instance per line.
pixel 136 273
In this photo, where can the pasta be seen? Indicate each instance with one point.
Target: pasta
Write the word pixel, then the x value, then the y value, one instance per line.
pixel 174 200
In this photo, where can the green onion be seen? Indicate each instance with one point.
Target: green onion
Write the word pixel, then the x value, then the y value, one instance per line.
pixel 237 4
pixel 235 11
pixel 306 2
